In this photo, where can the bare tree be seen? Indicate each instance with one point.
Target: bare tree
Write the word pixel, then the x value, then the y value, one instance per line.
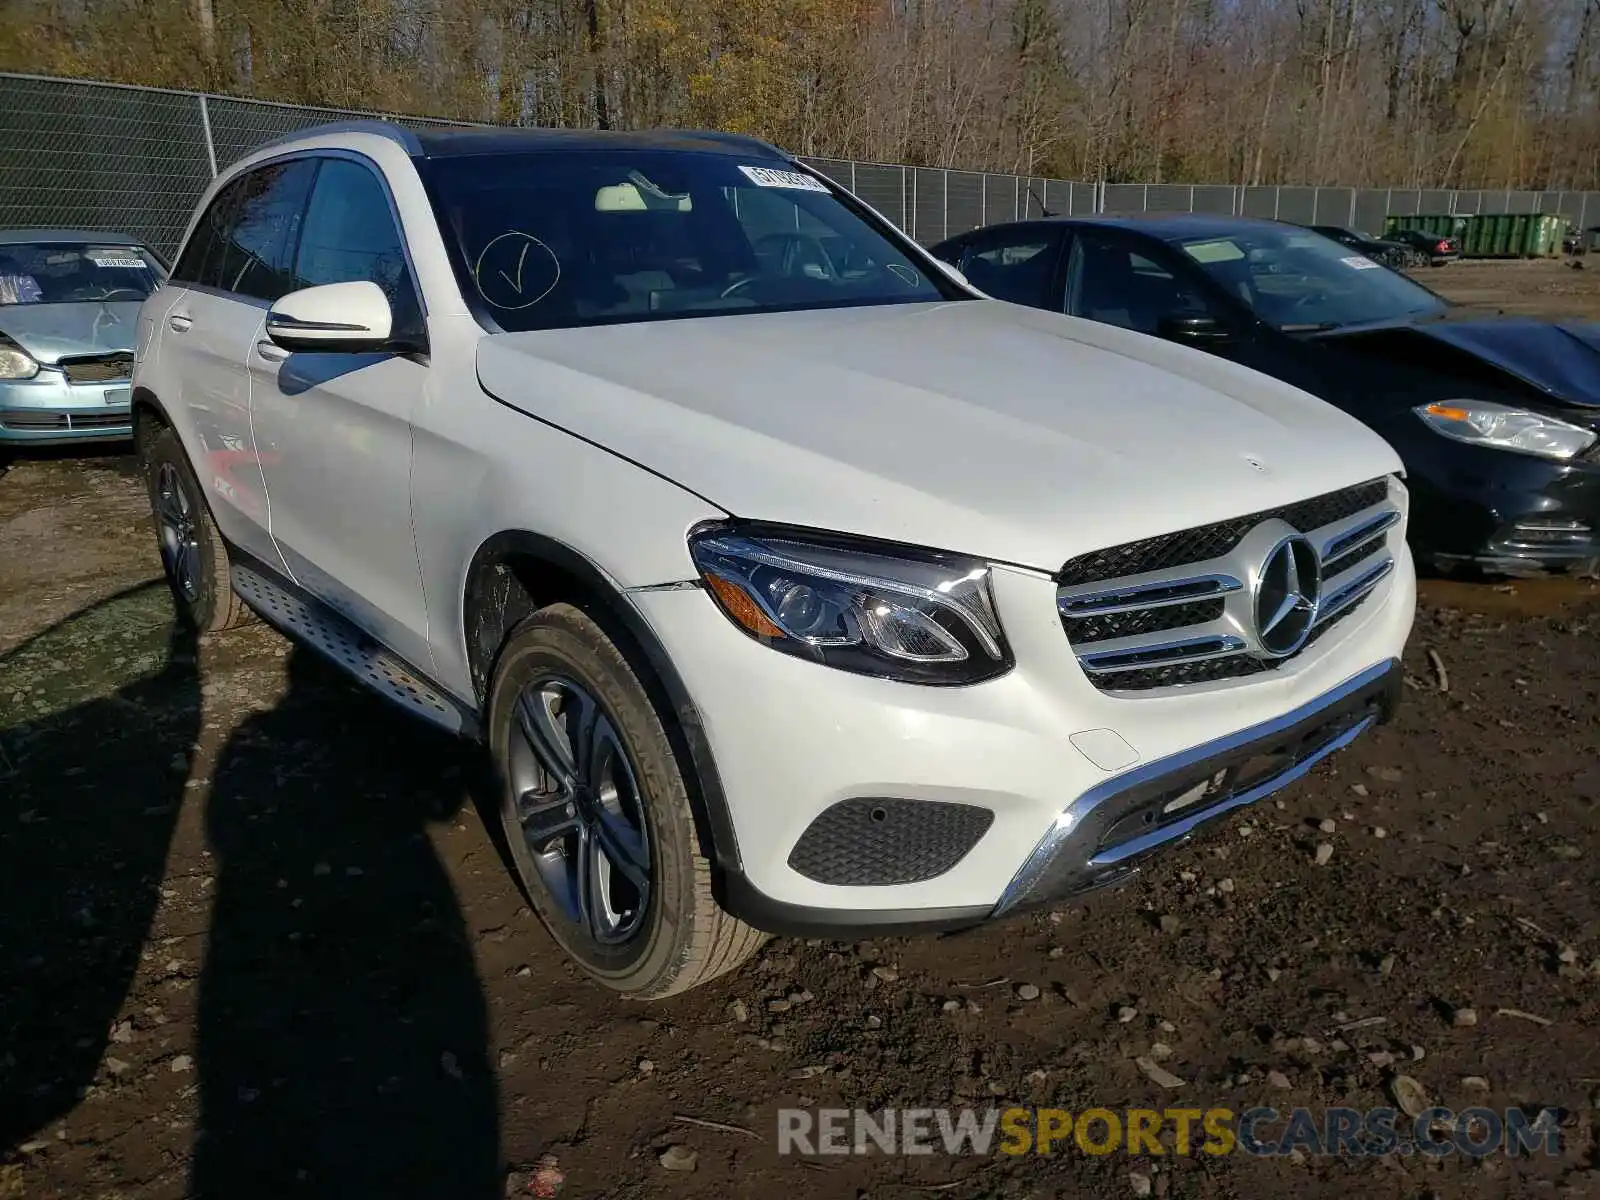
pixel 1469 93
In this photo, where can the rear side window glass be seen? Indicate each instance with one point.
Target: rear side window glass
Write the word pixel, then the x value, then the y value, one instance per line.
pixel 204 242
pixel 1111 283
pixel 264 224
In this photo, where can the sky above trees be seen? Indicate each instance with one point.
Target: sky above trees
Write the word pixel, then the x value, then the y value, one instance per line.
pixel 1468 93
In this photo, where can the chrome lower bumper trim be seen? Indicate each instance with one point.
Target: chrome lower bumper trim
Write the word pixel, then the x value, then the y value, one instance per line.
pixel 1366 697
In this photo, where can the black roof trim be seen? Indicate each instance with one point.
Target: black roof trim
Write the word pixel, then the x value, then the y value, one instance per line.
pixel 449 143
pixel 461 140
pixel 1161 226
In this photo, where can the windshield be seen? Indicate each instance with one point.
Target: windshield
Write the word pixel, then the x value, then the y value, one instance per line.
pixel 554 239
pixel 1298 280
pixel 74 272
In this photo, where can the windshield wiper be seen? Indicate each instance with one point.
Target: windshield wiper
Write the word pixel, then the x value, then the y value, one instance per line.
pixel 1318 327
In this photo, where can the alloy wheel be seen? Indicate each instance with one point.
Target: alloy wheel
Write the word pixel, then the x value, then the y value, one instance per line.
pixel 576 798
pixel 179 531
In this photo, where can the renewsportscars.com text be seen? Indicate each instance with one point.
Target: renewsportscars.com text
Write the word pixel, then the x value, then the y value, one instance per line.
pixel 1263 1132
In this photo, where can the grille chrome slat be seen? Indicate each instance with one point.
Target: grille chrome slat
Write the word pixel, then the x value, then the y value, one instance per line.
pixel 1333 542
pixel 1179 584
pixel 1158 650
pixel 1216 637
pixel 1346 589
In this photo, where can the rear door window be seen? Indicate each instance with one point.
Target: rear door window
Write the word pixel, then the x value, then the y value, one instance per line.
pixel 259 245
pixel 244 241
pixel 199 263
pixel 1110 282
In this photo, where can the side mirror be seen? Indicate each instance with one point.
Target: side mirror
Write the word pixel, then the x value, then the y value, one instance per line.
pixel 1196 331
pixel 349 318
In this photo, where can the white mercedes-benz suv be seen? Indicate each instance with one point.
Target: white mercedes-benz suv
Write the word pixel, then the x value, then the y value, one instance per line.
pixel 793 585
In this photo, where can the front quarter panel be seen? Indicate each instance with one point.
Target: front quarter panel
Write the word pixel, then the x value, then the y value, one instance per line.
pixel 482 468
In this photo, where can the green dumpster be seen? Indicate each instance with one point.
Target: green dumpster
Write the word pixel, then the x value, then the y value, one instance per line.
pixel 1512 235
pixel 1487 236
pixel 1544 237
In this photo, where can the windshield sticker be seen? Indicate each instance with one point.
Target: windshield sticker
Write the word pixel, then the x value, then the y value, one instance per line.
pixel 795 180
pixel 1357 262
pixel 124 260
pixel 905 274
pixel 1214 252
pixel 516 270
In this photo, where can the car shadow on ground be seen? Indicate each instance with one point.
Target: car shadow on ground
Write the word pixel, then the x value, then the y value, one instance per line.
pixel 91 799
pixel 341 1043
pixel 342 1035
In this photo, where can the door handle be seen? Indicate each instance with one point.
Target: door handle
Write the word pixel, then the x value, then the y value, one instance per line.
pixel 271 351
pixel 178 323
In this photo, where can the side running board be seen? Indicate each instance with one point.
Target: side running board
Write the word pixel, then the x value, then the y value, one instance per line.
pixel 305 620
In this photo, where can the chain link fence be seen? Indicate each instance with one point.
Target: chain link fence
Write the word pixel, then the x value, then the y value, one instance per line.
pixel 135 160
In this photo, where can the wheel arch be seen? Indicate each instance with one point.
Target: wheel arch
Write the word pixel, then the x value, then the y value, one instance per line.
pixel 148 414
pixel 514 574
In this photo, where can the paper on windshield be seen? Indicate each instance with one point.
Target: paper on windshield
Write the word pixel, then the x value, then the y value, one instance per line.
pixel 796 180
pixel 125 260
pixel 1357 262
pixel 1221 250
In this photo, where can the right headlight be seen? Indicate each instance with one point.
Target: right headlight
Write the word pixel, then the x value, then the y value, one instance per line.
pixel 874 611
pixel 15 362
pixel 1501 427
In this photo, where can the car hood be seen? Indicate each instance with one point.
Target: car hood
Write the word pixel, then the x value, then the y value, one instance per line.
pixel 53 331
pixel 1558 358
pixel 992 429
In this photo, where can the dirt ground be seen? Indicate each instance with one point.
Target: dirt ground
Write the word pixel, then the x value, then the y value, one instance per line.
pixel 256 941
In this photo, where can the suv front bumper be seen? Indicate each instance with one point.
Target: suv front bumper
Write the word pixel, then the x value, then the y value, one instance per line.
pixel 1103 837
pixel 1075 786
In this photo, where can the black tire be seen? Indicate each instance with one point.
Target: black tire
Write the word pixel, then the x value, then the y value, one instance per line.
pixel 673 936
pixel 199 576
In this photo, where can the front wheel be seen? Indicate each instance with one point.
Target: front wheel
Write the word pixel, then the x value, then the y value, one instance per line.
pixel 596 813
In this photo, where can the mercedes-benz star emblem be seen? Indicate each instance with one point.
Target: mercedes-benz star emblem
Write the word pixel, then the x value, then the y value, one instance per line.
pixel 1286 596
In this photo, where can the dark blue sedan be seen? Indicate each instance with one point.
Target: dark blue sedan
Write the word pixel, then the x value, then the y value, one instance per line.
pixel 1496 417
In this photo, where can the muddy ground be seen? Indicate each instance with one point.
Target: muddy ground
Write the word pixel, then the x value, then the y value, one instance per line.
pixel 254 939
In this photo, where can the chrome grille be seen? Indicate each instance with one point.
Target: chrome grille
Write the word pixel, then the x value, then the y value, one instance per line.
pixel 1180 609
pixel 1212 541
pixel 99 368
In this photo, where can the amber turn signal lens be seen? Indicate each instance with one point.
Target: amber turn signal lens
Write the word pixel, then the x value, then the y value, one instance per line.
pixel 738 605
pixel 1449 412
